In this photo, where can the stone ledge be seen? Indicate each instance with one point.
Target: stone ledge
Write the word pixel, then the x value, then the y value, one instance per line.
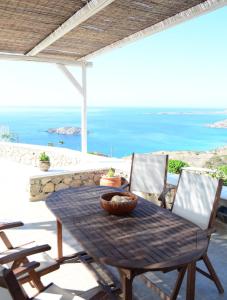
pixel 43 186
pixel 54 173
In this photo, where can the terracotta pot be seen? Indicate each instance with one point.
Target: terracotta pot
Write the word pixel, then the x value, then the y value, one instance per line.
pixel 110 181
pixel 44 165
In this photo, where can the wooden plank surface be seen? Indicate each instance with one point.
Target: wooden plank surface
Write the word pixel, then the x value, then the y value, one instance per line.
pixel 149 235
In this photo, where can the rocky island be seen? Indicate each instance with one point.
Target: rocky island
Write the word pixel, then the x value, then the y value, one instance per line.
pixel 65 130
pixel 219 124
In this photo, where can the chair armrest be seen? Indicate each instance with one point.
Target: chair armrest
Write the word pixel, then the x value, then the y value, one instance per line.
pixel 26 268
pixel 23 253
pixel 124 186
pixel 162 197
pixel 9 225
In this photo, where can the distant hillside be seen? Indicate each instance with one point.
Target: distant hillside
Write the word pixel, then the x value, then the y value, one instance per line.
pixel 219 124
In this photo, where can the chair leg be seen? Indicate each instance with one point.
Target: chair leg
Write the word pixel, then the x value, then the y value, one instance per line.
pixel 213 274
pixel 126 281
pixel 178 284
pixel 34 278
pixel 162 199
pixel 190 292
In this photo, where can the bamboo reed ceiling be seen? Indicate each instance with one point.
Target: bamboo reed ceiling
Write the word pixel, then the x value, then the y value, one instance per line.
pixel 25 23
pixel 115 22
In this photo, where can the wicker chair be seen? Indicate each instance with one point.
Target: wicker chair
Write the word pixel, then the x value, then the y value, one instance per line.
pixel 148 175
pixel 197 200
pixel 11 257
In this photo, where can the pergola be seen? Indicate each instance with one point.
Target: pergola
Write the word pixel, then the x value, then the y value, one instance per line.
pixel 71 32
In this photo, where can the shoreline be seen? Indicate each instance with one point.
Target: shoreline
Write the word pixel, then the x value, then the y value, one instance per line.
pixel 202 159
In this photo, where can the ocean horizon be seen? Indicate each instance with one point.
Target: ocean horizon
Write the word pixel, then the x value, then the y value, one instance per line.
pixel 119 131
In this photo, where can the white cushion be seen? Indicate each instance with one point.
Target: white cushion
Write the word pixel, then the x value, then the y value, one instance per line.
pixel 195 198
pixel 148 173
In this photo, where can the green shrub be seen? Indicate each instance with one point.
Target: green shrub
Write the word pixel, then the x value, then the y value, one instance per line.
pixel 111 172
pixel 222 173
pixel 175 166
pixel 6 135
pixel 44 157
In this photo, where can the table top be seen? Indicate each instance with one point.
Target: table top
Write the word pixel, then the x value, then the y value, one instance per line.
pixel 150 237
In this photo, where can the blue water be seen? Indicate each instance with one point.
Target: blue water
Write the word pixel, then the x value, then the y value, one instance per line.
pixel 120 131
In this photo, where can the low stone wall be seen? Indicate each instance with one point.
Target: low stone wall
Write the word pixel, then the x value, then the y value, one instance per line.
pixel 42 186
pixel 154 197
pixel 59 157
pixel 69 168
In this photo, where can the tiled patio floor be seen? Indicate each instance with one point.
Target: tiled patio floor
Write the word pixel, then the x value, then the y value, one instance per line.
pixel 40 226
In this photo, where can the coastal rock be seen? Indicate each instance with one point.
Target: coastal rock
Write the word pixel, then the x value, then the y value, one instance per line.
pixel 219 124
pixel 65 130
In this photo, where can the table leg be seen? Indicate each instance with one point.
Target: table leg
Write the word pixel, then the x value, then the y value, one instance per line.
pixel 126 282
pixel 190 294
pixel 59 239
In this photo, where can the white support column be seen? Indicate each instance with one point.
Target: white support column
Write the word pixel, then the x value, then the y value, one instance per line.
pixel 83 91
pixel 84 111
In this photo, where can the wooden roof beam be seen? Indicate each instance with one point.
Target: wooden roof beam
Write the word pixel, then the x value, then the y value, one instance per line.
pixel 19 57
pixel 90 9
pixel 181 17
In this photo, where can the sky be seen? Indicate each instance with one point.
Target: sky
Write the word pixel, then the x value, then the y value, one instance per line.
pixel 184 66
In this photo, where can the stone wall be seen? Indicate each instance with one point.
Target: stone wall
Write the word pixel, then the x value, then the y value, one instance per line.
pixel 154 197
pixel 59 157
pixel 69 168
pixel 42 187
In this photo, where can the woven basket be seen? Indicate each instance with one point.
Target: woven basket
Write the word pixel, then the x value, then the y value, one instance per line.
pixel 118 208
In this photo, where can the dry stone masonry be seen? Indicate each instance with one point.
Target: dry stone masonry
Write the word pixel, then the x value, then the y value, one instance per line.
pixel 42 187
pixel 68 167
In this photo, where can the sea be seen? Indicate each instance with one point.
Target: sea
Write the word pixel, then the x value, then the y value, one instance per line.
pixel 119 131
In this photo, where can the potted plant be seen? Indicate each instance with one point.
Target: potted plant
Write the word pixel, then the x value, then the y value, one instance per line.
pixel 110 179
pixel 44 162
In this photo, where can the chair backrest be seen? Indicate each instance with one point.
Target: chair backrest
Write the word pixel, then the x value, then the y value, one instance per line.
pixel 9 286
pixel 196 198
pixel 148 173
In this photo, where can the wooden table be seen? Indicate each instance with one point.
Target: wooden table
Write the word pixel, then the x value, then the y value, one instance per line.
pixel 150 238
